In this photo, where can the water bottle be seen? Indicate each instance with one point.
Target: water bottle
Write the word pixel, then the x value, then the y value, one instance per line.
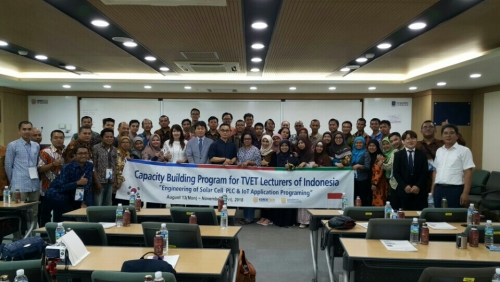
pixel 223 217
pixel 344 201
pixel 470 212
pixel 444 203
pixel 164 234
pixel 131 200
pixel 119 216
pixel 430 201
pixel 59 231
pixel 224 197
pixel 20 276
pixel 496 276
pixel 424 234
pixel 414 230
pixel 394 214
pixel 6 195
pixel 488 234
pixel 388 210
pixel 159 277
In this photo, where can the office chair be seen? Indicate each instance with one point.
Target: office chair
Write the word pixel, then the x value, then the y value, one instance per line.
pixel 108 213
pixel 113 276
pixel 390 229
pixel 364 213
pixel 32 268
pixel 10 224
pixel 91 234
pixel 490 199
pixel 442 274
pixel 479 180
pixel 206 216
pixel 180 235
pixel 444 215
pixel 480 228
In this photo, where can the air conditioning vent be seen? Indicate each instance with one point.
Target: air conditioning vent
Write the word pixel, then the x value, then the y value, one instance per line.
pixel 222 90
pixel 200 55
pixel 208 67
pixel 167 2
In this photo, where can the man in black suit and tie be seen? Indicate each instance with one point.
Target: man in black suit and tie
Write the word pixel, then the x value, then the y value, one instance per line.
pixel 410 169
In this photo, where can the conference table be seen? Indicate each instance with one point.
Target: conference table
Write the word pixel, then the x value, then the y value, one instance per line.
pixel 370 261
pixel 25 208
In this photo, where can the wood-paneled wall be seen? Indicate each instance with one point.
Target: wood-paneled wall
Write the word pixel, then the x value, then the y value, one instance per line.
pixel 14 109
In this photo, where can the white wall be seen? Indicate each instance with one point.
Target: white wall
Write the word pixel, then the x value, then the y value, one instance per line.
pixel 395 110
pixel 491 134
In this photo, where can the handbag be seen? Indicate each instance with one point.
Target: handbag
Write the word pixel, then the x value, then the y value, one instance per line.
pixel 24 249
pixel 246 271
pixel 341 222
pixel 148 265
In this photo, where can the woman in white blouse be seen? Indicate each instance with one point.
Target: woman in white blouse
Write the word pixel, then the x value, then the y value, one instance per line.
pixel 174 149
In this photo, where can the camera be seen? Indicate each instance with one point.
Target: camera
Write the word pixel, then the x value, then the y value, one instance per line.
pixel 56 252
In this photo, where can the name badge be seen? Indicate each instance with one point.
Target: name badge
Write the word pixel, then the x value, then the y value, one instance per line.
pixel 431 165
pixel 33 173
pixel 79 194
pixel 109 173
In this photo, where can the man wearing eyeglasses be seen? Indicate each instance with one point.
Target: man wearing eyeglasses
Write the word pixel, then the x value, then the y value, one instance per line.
pixel 223 151
pixel 429 146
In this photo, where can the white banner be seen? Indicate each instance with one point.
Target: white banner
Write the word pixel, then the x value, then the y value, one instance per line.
pixel 245 187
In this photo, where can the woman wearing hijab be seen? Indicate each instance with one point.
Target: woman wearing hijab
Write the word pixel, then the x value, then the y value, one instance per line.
pixel 378 181
pixel 360 163
pixel 276 142
pixel 153 150
pixel 122 154
pixel 340 152
pixel 321 157
pixel 285 158
pixel 268 160
pixel 306 159
pixel 327 142
pixel 387 166
pixel 137 148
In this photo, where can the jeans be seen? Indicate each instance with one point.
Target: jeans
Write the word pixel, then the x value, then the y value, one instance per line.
pixel 104 198
pixel 249 213
pixel 32 197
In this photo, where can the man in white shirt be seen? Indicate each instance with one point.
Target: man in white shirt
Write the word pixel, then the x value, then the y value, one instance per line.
pixel 452 176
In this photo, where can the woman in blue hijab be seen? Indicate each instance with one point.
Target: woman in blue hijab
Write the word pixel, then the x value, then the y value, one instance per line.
pixel 360 163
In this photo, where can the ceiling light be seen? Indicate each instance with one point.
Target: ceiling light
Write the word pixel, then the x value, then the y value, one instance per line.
pixel 66 86
pixel 384 46
pixel 345 69
pixel 3 43
pixel 107 86
pixel 413 88
pixel 70 67
pixel 475 75
pixel 293 88
pixel 441 83
pixel 187 87
pixel 130 44
pixel 100 23
pixel 256 60
pixel 147 86
pixel 164 69
pixel 418 25
pixel 41 57
pixel 150 58
pixel 372 88
pixel 361 60
pixel 257 46
pixel 253 88
pixel 259 25
pixel 255 70
pixel 332 88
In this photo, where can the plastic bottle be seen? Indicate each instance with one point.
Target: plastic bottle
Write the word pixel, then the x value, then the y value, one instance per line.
pixel 131 199
pixel 414 230
pixel 60 230
pixel 224 197
pixel 17 196
pixel 358 202
pixel 148 278
pixel 470 212
pixel 159 277
pixel 20 276
pixel 6 195
pixel 444 203
pixel 344 201
pixel 496 276
pixel 119 216
pixel 430 201
pixel 164 234
pixel 220 203
pixel 4 278
pixel 388 210
pixel 488 234
pixel 138 203
pixel 401 213
pixel 193 219
pixel 473 237
pixel 158 244
pixel 424 234
pixel 126 218
pixel 223 217
pixel 394 214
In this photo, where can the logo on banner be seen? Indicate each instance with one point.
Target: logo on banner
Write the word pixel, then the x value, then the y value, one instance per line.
pixel 255 199
pixel 400 104
pixel 283 200
pixel 133 189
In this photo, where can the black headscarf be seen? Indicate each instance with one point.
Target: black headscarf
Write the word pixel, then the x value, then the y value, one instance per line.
pixel 373 156
pixel 282 158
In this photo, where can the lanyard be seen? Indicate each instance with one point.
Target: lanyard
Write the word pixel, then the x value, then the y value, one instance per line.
pixel 30 161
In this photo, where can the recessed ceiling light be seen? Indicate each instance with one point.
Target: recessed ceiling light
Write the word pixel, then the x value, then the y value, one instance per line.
pixel 259 25
pixel 475 75
pixel 254 70
pixel 100 23
pixel 372 88
pixel 70 67
pixel 147 86
pixel 384 46
pixel 418 25
pixel 3 43
pixel 41 57
pixel 345 69
pixel 106 86
pixel 150 58
pixel 293 88
pixel 332 88
pixel 256 60
pixel 413 88
pixel 441 83
pixel 164 69
pixel 257 46
pixel 187 87
pixel 66 86
pixel 130 44
pixel 361 60
pixel 253 88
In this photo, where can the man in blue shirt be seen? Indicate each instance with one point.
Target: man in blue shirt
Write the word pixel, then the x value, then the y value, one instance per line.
pixel 223 151
pixel 375 126
pixel 71 188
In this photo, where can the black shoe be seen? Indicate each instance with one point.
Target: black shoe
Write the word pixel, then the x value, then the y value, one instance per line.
pixel 244 222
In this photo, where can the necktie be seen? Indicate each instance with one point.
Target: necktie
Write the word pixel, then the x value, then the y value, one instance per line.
pixel 200 144
pixel 410 161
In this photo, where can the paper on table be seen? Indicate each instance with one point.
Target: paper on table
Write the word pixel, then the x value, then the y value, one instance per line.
pixel 172 260
pixel 398 245
pixel 76 249
pixel 107 225
pixel 363 224
pixel 419 212
pixel 341 212
pixel 440 226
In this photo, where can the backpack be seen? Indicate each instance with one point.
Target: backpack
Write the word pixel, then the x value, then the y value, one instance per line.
pixel 24 249
pixel 148 265
pixel 246 271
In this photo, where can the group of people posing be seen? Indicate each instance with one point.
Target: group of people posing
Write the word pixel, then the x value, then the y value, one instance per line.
pixel 388 166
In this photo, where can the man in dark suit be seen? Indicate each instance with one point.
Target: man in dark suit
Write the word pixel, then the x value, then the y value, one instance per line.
pixel 410 169
pixel 197 148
